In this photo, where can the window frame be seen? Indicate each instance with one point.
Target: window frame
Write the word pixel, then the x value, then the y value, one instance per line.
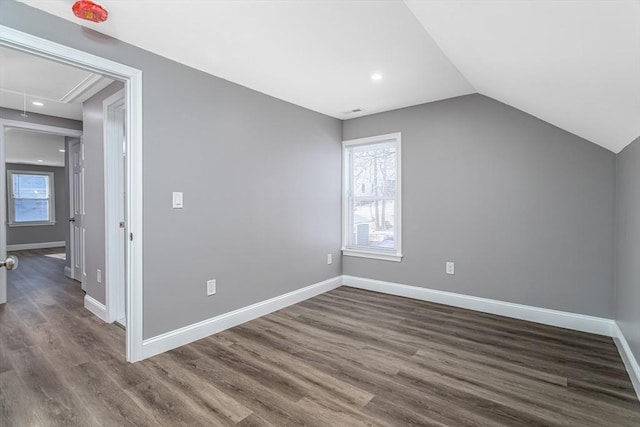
pixel 11 222
pixel 347 226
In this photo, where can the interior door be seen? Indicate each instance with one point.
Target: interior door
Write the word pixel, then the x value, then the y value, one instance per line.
pixel 77 211
pixel 122 202
pixel 6 263
pixel 3 219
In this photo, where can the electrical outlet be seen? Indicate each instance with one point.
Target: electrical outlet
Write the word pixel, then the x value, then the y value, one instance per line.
pixel 450 268
pixel 329 259
pixel 99 275
pixel 211 287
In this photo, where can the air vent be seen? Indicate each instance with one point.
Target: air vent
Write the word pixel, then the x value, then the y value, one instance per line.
pixel 355 110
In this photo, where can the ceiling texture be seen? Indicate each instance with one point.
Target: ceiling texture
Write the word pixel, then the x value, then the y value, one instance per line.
pixel 60 88
pixel 574 63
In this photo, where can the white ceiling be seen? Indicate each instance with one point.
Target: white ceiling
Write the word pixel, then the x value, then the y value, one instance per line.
pixel 575 64
pixel 26 146
pixel 317 54
pixel 61 88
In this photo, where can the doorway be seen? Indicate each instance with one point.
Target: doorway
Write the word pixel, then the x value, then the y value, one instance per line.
pixel 132 79
pixel 32 188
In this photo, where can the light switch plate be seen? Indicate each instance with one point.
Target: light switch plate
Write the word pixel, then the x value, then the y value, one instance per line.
pixel 177 200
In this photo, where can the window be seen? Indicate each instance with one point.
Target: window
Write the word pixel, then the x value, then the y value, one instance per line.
pixel 371 198
pixel 30 196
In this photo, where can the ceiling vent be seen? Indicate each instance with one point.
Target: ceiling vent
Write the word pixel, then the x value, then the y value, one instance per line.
pixel 355 110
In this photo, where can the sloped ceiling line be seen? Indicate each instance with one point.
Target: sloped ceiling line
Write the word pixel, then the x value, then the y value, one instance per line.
pixel 574 64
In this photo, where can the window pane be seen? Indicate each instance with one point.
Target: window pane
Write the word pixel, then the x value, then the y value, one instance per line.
pixel 31 210
pixel 374 170
pixel 373 224
pixel 30 186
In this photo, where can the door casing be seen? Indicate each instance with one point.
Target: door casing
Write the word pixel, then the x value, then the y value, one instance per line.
pixel 16 124
pixel 132 79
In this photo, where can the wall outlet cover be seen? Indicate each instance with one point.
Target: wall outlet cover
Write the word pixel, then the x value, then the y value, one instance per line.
pixel 450 268
pixel 211 287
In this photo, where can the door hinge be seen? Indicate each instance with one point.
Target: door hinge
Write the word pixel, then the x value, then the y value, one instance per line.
pixel 131 236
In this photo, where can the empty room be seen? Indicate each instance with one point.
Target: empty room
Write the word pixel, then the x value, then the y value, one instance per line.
pixel 320 212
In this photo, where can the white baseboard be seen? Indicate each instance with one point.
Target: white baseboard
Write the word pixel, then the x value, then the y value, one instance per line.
pixel 179 337
pixel 579 322
pixel 68 272
pixel 96 307
pixel 628 358
pixel 43 245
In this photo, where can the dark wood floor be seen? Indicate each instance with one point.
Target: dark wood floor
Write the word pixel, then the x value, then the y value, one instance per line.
pixel 346 358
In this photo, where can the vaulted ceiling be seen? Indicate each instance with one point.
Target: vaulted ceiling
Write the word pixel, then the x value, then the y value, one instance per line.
pixel 575 64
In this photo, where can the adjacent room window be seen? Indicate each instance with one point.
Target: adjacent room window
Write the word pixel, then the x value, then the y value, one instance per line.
pixel 371 197
pixel 30 198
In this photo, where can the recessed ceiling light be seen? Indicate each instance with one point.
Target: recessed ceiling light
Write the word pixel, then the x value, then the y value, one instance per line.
pixel 376 76
pixel 40 160
pixel 61 150
pixel 38 103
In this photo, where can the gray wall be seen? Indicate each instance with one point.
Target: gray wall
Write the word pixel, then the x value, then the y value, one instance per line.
pixel 524 209
pixel 94 220
pixel 41 119
pixel 627 291
pixel 44 233
pixel 261 183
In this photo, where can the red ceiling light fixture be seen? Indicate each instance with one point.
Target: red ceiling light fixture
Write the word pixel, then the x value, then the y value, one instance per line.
pixel 90 11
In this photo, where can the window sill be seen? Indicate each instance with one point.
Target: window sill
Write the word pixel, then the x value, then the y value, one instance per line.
pixel 29 224
pixel 372 255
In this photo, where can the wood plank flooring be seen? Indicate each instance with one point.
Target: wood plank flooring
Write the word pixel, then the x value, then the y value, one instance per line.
pixel 345 358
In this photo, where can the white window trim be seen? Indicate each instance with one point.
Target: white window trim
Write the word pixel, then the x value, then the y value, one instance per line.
pixel 10 199
pixel 380 254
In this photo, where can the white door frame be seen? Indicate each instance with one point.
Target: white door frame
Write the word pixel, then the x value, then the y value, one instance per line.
pixel 132 78
pixel 114 268
pixel 17 124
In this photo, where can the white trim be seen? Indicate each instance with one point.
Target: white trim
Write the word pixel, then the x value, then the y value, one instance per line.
pixel 562 319
pixel 68 272
pixel 11 219
pixel 96 307
pixel 360 251
pixel 55 130
pixel 17 124
pixel 133 89
pixel 42 245
pixel 29 224
pixel 372 255
pixel 628 358
pixel 114 268
pixel 372 139
pixel 76 93
pixel 170 340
